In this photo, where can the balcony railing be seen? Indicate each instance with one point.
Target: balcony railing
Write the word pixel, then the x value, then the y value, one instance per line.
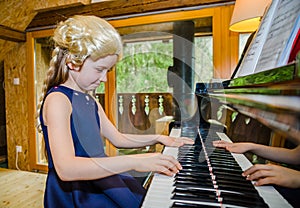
pixel 138 112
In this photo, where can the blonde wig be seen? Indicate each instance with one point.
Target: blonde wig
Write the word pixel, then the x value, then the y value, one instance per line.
pixel 76 39
pixel 84 36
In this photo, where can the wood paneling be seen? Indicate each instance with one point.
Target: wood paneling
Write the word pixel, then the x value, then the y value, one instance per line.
pixel 16 107
pixel 10 34
pixel 55 4
pixel 15 15
pixel 225 47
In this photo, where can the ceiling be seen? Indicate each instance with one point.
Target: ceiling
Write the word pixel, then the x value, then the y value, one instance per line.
pixel 16 18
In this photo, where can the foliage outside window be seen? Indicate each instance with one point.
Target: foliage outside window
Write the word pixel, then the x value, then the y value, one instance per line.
pixel 144 65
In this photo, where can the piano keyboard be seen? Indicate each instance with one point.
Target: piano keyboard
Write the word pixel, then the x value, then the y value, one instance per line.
pixel 214 180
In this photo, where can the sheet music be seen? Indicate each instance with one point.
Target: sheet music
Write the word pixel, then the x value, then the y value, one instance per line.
pixel 275 31
pixel 283 22
pixel 250 60
pixel 285 54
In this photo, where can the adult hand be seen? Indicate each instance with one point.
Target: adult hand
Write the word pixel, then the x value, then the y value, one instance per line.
pixel 241 147
pixel 156 162
pixel 273 174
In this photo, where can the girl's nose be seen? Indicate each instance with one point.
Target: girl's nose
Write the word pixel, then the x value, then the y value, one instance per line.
pixel 103 78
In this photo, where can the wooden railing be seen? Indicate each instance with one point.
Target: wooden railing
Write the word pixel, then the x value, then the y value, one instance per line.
pixel 137 112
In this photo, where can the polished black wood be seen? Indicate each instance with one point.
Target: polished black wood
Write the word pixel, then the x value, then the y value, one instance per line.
pixel 271 97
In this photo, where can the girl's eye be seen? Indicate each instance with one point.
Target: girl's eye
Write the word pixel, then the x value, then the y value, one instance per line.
pixel 100 69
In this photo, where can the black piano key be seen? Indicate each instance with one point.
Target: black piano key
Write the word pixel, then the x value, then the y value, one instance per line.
pixel 226 165
pixel 214 169
pixel 245 203
pixel 238 199
pixel 227 170
pixel 193 165
pixel 218 186
pixel 196 190
pixel 243 199
pixel 194 197
pixel 219 180
pixel 194 171
pixel 193 174
pixel 192 179
pixel 177 204
pixel 186 184
pixel 235 183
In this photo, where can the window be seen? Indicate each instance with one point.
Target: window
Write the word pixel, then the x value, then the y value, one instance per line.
pixel 143 94
pixel 146 38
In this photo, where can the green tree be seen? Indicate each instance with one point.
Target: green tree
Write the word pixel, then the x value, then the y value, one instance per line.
pixel 145 64
pixel 144 67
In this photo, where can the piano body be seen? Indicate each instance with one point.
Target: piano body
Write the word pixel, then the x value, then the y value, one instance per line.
pixel 212 179
pixel 264 105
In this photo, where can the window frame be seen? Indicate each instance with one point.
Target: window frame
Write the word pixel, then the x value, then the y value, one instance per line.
pixel 225 57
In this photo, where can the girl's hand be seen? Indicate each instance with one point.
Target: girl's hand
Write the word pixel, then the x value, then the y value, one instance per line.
pixel 273 174
pixel 241 147
pixel 175 142
pixel 156 162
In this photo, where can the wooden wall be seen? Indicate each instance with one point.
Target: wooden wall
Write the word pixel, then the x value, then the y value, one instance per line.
pixel 16 106
pixel 17 16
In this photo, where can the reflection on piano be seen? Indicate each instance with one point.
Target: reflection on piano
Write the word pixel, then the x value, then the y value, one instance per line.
pixel 211 177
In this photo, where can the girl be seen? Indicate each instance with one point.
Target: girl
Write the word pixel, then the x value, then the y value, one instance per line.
pixel 72 121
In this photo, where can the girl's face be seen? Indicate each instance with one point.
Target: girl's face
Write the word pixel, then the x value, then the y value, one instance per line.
pixel 89 76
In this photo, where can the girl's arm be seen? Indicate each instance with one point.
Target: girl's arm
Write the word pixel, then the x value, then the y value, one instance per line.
pixel 56 112
pixel 136 140
pixel 278 154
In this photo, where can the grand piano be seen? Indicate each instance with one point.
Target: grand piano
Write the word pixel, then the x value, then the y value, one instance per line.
pixel 220 184
pixel 211 177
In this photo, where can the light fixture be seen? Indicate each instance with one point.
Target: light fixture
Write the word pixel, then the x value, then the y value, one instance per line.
pixel 247 14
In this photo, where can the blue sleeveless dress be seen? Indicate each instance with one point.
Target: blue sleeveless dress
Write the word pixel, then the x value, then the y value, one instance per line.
pixel 120 190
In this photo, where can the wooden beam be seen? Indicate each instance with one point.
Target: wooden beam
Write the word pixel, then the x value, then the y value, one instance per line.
pixel 53 5
pixel 110 9
pixel 10 34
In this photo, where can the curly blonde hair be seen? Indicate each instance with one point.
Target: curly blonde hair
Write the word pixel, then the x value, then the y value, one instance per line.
pixel 76 39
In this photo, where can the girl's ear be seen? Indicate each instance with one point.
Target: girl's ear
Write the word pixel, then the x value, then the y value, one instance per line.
pixel 73 67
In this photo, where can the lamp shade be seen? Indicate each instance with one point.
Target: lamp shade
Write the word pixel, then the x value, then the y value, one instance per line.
pixel 247 14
